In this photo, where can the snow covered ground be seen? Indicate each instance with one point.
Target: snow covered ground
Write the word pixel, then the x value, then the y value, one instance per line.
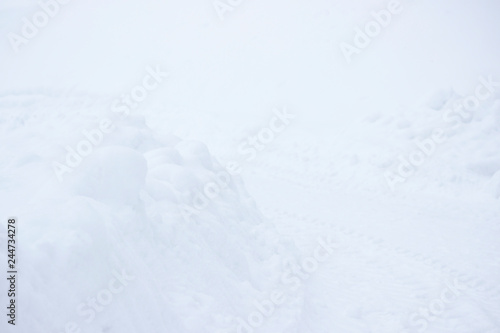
pixel 249 166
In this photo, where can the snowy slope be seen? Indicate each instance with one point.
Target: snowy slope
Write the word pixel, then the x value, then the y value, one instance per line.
pixel 129 207
pixel 261 181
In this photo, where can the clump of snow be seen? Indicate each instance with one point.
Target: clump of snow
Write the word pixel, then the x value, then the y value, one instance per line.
pixel 112 174
pixel 121 210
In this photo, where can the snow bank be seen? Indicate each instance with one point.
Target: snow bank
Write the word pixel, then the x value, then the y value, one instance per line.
pixel 120 245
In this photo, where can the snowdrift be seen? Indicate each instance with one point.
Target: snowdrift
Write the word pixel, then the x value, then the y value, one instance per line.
pixel 170 236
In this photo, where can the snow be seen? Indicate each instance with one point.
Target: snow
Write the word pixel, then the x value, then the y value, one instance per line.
pixel 266 184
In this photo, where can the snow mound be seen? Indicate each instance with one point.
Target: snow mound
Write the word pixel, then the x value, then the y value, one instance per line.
pixel 112 175
pixel 151 231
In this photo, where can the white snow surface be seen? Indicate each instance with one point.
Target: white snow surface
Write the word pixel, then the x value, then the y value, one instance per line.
pixel 152 230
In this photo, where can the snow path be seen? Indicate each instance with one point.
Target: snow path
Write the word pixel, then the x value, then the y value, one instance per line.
pixel 405 257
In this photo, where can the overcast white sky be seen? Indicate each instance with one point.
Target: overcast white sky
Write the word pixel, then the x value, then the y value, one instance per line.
pixel 263 52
